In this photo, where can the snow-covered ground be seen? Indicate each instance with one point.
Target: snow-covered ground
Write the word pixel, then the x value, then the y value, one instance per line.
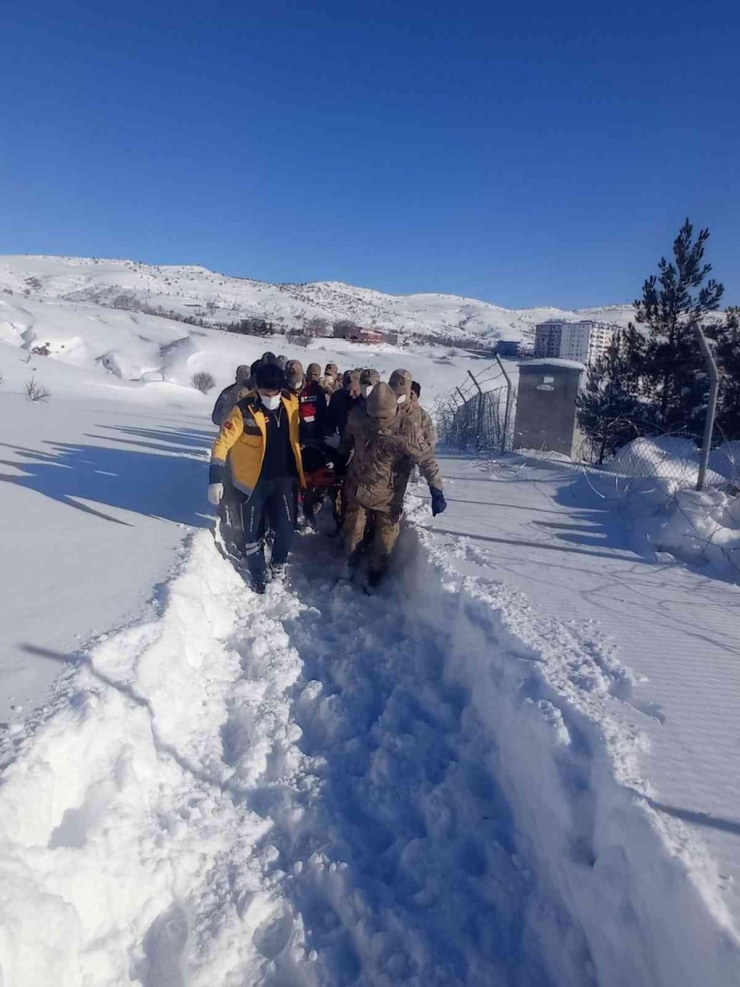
pixel 514 765
pixel 97 483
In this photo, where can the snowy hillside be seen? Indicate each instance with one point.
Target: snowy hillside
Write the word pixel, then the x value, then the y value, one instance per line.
pixel 196 291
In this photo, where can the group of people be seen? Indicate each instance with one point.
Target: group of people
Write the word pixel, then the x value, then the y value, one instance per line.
pixel 287 437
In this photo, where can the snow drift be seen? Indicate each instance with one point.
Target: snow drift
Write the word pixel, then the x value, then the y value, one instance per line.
pixel 321 788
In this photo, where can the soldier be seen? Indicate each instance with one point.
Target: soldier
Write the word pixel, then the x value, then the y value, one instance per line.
pixel 295 375
pixel 427 424
pixel 402 386
pixel 368 379
pixel 380 437
pixel 331 381
pixel 229 396
pixel 313 373
pixel 342 402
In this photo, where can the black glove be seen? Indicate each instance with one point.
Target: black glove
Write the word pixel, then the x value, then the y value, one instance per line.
pixel 439 503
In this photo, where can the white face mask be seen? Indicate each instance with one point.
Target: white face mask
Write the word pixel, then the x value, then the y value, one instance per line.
pixel 272 403
pixel 329 378
pixel 298 385
pixel 401 399
pixel 366 389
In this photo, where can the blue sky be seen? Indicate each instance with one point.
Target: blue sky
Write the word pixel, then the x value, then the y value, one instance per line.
pixel 527 153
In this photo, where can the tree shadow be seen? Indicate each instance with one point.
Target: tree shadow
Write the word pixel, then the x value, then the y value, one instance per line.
pixel 697 818
pixel 545 546
pixel 166 480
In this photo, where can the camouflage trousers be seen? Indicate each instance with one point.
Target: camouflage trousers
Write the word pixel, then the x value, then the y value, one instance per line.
pixel 383 532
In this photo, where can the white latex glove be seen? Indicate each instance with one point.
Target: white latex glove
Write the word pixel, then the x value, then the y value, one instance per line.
pixel 215 493
pixel 333 441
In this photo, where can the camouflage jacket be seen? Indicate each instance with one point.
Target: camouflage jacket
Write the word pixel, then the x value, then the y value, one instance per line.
pixel 378 453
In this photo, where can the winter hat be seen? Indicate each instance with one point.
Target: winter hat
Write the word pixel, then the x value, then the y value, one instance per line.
pixel 313 372
pixel 400 382
pixel 281 361
pixel 382 404
pixel 331 370
pixel 369 376
pixel 416 388
pixel 253 368
pixel 269 357
pixel 242 373
pixel 351 377
pixel 294 367
pixel 270 376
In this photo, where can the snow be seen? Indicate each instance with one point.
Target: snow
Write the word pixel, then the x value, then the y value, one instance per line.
pixel 553 362
pixel 103 477
pixel 511 765
pixel 323 788
pixel 561 538
pixel 666 457
pixel 196 291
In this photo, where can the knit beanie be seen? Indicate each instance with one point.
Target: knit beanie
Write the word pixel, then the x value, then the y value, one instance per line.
pixel 270 376
pixel 382 404
pixel 313 372
pixel 400 382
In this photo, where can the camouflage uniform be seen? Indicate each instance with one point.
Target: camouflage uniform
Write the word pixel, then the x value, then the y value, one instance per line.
pixel 380 438
pixel 400 384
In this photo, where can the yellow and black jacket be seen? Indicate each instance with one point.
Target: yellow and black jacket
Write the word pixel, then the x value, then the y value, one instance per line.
pixel 244 435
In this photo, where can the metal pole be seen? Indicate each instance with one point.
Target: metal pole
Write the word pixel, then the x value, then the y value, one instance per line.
pixel 508 403
pixel 711 405
pixel 479 436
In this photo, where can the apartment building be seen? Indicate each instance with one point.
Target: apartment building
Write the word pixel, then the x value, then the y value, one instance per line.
pixel 583 341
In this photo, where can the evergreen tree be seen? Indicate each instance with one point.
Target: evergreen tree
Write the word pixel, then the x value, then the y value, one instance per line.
pixel 610 411
pixel 726 339
pixel 673 303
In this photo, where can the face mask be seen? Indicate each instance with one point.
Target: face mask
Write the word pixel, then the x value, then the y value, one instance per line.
pixel 366 389
pixel 297 386
pixel 329 378
pixel 271 403
pixel 401 399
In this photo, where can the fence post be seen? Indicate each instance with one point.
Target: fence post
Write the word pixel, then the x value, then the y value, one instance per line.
pixel 711 405
pixel 479 436
pixel 508 403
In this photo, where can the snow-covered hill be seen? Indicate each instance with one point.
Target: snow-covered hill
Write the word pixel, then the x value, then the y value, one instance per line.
pixel 196 291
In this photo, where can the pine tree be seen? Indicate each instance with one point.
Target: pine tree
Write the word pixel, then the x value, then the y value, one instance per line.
pixel 673 303
pixel 610 412
pixel 726 340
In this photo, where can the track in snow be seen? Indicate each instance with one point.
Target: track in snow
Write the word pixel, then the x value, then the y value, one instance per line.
pixel 317 788
pixel 279 791
pixel 407 871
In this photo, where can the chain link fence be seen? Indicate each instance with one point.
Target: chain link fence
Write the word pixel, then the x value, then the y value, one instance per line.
pixel 479 416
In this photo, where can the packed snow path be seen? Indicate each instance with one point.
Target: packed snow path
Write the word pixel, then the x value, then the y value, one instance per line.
pixel 431 786
pixel 279 791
